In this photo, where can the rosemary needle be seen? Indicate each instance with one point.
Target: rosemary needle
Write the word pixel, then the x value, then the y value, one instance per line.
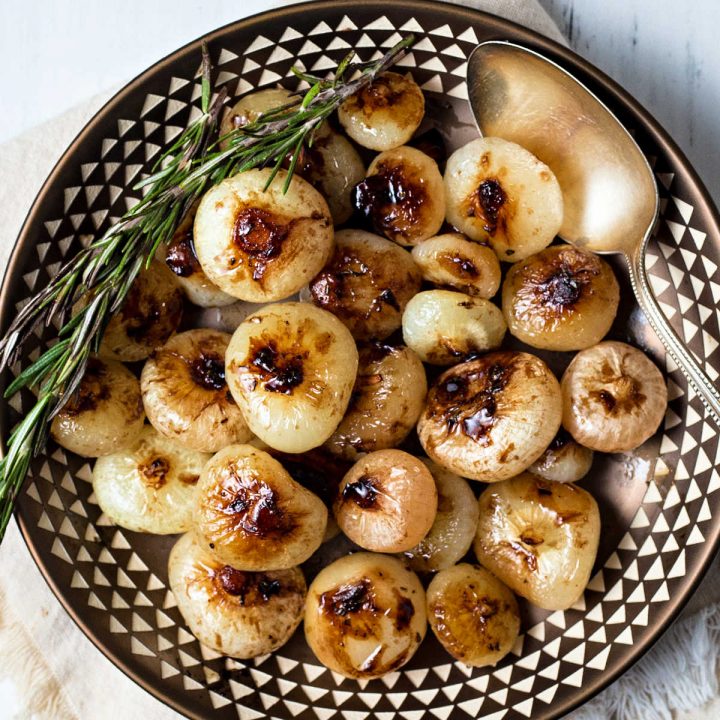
pixel 103 272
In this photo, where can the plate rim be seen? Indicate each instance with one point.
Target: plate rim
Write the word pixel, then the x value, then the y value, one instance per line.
pixel 566 57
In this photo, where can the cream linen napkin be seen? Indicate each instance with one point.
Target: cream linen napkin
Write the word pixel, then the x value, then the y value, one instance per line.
pixel 50 670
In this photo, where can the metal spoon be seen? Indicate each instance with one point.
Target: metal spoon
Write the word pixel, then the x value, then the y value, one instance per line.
pixel 610 196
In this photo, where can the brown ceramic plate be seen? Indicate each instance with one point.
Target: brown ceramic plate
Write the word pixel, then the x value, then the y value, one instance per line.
pixel 659 506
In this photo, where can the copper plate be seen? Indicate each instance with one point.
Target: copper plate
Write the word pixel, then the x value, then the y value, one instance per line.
pixel 660 505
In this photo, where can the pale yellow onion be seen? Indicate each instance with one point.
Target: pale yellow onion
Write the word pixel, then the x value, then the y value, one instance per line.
pixel 443 326
pixel 104 415
pixel 185 394
pixel 451 260
pixel 499 192
pixel 454 527
pixel 252 515
pixel 291 368
pixel 236 613
pixel 473 615
pixel 403 195
pixel 385 114
pixel 365 615
pixel 386 402
pixel 539 537
pixel 491 418
pixel 150 487
pixel 261 245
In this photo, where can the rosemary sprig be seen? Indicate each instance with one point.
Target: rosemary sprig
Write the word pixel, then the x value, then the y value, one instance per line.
pixel 102 273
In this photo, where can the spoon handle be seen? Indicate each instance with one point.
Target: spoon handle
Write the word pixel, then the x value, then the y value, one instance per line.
pixel 676 348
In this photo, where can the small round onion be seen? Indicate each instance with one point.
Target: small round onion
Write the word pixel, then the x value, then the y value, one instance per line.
pixel 454 527
pixel 367 283
pixel 387 502
pixel 291 369
pixel 236 613
pixel 104 415
pixel 252 515
pixel 562 298
pixel 150 487
pixel 149 317
pixel 387 400
pixel 261 245
pixel 385 113
pixel 473 615
pixel 491 418
pixel 185 394
pixel 443 326
pixel 402 196
pixel 365 615
pixel 454 261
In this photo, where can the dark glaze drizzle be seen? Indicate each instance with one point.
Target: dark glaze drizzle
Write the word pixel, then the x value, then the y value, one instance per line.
pixel 390 200
pixel 249 588
pixel 350 598
pixel 256 510
pixel 552 283
pixel 363 492
pixel 280 372
pixel 466 397
pixel 154 471
pixel 333 285
pixel 459 266
pixel 260 237
pixel 180 256
pixel 486 203
pixel 208 371
pixel 93 389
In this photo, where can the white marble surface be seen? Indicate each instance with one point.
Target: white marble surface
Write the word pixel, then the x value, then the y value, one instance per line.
pixel 58 53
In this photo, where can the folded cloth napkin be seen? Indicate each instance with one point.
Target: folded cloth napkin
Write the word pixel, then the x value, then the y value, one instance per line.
pixel 51 671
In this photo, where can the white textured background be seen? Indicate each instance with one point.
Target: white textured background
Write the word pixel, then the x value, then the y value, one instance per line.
pixel 55 53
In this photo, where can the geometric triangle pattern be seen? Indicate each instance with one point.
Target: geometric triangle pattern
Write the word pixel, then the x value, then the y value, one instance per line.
pixel 114 582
